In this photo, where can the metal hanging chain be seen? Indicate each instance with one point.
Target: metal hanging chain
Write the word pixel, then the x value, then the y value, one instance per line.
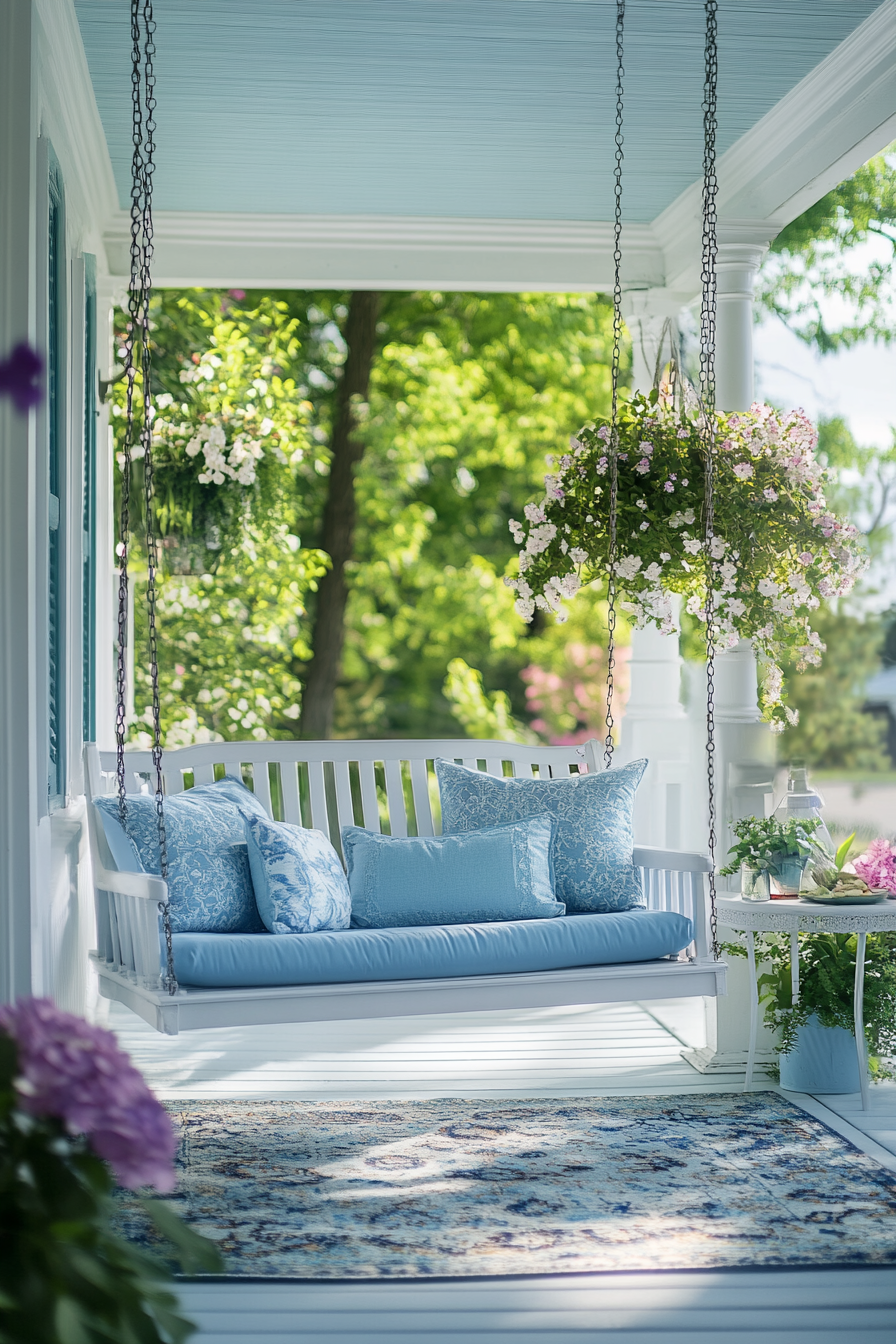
pixel 149 94
pixel 708 396
pixel 614 412
pixel 143 103
pixel 130 372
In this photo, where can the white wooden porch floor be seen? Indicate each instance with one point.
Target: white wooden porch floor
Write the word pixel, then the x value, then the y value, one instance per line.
pixel 620 1049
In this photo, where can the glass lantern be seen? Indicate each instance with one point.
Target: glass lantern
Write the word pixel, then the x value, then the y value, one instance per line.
pixel 801 802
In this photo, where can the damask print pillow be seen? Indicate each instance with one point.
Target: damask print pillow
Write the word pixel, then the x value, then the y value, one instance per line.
pixel 299 883
pixel 209 882
pixel 499 874
pixel 592 814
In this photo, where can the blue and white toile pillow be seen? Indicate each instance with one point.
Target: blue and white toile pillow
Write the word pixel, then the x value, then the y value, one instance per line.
pixel 592 814
pixel 299 883
pixel 209 882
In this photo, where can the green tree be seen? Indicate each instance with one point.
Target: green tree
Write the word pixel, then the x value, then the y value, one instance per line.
pixel 829 253
pixel 467 395
pixel 833 733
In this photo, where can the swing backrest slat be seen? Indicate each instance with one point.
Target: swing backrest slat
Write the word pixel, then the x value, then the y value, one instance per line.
pixel 320 784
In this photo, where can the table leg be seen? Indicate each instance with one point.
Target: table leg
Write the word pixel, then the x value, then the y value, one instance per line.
pixel 858 1017
pixel 794 968
pixel 754 1010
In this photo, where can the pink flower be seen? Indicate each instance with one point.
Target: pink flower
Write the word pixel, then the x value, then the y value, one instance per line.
pixel 877 866
pixel 669 487
pixel 743 470
pixel 75 1071
pixel 770 494
pixel 805 557
pixel 684 433
pixel 604 433
pixel 643 465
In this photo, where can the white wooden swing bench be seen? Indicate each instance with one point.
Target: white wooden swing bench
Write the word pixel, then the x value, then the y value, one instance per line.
pixel 383 785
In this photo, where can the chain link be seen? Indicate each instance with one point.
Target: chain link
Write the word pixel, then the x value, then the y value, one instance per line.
pixel 143 105
pixel 614 413
pixel 708 398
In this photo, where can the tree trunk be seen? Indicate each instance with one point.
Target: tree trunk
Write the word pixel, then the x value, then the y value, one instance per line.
pixel 339 519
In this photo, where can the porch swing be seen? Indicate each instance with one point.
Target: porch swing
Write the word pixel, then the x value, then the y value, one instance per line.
pixel 329 785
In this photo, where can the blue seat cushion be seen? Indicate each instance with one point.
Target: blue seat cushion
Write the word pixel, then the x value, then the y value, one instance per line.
pixel 209 881
pixel 497 874
pixel 592 815
pixel 218 961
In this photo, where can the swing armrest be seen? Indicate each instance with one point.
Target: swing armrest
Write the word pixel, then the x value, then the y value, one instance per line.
pixel 670 860
pixel 147 886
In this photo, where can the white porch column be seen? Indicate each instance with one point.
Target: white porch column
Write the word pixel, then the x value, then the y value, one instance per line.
pixel 22 778
pixel 745 753
pixel 655 724
pixel 646 313
pixel 736 268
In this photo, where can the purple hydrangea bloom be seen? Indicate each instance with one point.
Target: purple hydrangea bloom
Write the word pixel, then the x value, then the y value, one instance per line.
pixel 71 1069
pixel 20 378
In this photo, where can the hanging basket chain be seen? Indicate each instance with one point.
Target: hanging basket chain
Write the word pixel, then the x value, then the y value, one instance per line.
pixel 143 104
pixel 708 397
pixel 617 346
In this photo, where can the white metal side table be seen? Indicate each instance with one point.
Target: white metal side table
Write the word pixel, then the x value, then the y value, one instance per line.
pixel 795 917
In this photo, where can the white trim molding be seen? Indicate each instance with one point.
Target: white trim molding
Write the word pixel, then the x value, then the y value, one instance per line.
pixel 388 252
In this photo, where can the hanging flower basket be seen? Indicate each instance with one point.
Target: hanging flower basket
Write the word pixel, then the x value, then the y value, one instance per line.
pixel 777 550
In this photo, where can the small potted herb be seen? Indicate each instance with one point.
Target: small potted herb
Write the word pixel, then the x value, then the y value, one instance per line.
pixel 768 850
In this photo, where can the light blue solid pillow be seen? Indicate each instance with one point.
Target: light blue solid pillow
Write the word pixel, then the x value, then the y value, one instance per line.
pixel 592 816
pixel 299 883
pixel 209 882
pixel 499 874
pixel 121 846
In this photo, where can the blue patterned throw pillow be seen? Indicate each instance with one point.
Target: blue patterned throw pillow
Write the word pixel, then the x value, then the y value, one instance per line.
pixel 500 874
pixel 209 882
pixel 592 815
pixel 299 883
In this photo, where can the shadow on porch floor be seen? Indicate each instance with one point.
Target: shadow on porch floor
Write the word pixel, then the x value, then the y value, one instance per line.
pixel 617 1049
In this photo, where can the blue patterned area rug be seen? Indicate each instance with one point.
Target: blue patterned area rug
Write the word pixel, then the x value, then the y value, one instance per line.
pixel 457 1188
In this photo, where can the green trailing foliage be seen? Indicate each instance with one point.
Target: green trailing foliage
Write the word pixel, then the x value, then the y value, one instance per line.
pixel 827 981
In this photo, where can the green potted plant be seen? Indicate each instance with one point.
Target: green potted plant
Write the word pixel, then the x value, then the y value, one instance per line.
pixel 816 1046
pixel 771 850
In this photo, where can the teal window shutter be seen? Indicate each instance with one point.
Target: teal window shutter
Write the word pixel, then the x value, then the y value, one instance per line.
pixel 88 523
pixel 56 346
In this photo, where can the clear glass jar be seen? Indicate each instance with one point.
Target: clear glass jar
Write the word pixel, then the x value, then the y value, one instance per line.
pixel 754 884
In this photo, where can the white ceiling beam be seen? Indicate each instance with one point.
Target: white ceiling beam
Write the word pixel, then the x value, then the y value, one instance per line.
pixel 378 252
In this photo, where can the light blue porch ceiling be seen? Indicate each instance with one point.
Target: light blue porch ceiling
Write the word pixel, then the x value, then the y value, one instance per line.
pixel 445 108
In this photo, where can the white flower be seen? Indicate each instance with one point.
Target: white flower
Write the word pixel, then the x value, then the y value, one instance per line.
pixel 578 556
pixel 717 547
pixel 641 503
pixel 516 531
pixel 692 545
pixel 767 587
pixel 164 400
pixel 770 494
pixel 525 607
pixel 793 715
pixel 692 606
pixel 534 513
pixel 540 538
pixel 736 607
pixel 628 566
